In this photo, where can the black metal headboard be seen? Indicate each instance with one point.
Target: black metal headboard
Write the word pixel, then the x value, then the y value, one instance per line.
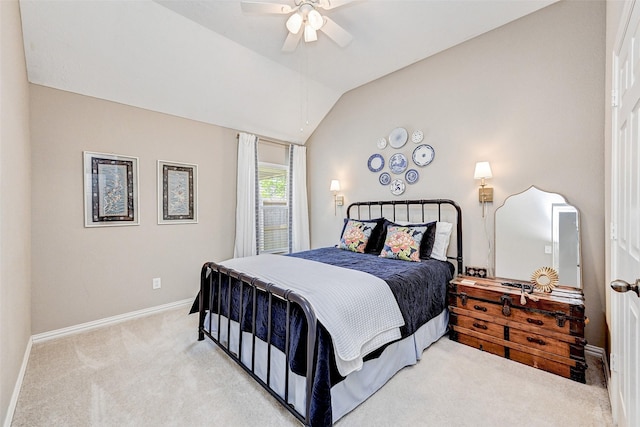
pixel 414 211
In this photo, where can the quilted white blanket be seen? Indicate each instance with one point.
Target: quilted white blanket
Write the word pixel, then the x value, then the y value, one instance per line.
pixel 358 310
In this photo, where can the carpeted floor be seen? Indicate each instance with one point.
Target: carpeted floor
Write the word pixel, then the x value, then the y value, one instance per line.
pixel 152 371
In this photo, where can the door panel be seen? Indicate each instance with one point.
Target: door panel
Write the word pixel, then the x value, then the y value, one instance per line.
pixel 625 214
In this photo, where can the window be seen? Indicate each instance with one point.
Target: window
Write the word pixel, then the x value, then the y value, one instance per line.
pixel 273 218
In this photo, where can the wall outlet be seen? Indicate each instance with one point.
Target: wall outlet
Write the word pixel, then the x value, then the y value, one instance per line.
pixel 157 284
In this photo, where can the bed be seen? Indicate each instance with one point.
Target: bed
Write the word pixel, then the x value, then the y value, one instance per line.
pixel 314 366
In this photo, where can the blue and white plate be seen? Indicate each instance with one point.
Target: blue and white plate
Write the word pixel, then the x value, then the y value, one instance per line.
pixel 375 163
pixel 384 178
pixel 398 163
pixel 397 187
pixel 423 155
pixel 412 176
pixel 417 136
pixel 398 137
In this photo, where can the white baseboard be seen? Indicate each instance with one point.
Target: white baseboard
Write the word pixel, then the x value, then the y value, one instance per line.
pixel 16 389
pixel 600 353
pixel 594 351
pixel 58 333
pixel 45 336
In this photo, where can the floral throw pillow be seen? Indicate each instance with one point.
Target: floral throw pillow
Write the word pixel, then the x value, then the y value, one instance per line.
pixel 403 243
pixel 356 235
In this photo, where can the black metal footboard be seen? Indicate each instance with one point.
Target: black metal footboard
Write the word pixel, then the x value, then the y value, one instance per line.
pixel 284 301
pixel 269 292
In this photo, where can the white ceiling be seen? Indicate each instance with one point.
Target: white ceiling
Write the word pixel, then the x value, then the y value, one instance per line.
pixel 211 62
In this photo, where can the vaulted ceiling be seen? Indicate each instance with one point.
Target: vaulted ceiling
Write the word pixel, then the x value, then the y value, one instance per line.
pixel 210 61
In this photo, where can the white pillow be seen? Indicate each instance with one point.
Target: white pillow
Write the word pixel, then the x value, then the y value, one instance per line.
pixel 441 242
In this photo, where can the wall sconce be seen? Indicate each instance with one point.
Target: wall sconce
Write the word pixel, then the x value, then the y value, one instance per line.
pixel 485 194
pixel 337 200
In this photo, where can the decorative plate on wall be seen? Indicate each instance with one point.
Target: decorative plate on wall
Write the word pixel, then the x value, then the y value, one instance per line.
pixel 417 136
pixel 397 187
pixel 375 163
pixel 384 178
pixel 398 137
pixel 412 176
pixel 423 155
pixel 398 163
pixel 382 143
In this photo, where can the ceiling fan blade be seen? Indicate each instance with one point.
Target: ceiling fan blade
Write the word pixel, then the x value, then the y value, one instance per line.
pixel 291 42
pixel 261 7
pixel 332 4
pixel 336 33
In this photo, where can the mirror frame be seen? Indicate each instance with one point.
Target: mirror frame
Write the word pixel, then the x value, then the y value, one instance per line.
pixel 526 277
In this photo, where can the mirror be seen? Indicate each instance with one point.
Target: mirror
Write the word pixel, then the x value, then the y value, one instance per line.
pixel 536 229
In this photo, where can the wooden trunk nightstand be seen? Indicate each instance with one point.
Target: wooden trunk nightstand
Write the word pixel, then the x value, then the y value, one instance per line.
pixel 547 334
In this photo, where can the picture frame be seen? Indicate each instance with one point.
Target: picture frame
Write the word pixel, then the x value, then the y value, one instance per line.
pixel 475 271
pixel 110 190
pixel 177 192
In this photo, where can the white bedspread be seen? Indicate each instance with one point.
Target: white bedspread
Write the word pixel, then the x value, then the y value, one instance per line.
pixel 358 310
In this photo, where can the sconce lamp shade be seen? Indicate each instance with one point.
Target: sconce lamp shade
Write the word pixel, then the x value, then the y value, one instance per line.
pixel 337 200
pixel 485 194
pixel 483 170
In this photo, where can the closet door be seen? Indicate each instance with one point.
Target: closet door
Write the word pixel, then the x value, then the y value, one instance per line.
pixel 625 233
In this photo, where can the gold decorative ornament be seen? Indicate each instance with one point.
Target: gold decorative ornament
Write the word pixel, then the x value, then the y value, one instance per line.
pixel 545 279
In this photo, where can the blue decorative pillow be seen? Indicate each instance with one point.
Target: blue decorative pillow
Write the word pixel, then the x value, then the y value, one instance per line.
pixel 373 245
pixel 403 243
pixel 355 235
pixel 426 245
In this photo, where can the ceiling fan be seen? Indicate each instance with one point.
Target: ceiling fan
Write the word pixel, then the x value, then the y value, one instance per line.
pixel 305 19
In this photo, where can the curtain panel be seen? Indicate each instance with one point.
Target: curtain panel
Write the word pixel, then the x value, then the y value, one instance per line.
pixel 246 243
pixel 298 210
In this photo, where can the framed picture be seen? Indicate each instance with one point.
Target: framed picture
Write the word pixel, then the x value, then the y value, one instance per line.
pixel 110 190
pixel 177 193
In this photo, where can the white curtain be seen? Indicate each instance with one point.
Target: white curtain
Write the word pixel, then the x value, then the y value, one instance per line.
pixel 246 208
pixel 298 211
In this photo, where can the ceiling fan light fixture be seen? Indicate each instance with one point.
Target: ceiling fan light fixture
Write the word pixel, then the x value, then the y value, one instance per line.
pixel 304 13
pixel 310 34
pixel 294 23
pixel 316 21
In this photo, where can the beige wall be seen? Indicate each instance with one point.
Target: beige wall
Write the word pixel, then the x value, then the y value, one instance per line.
pixel 83 274
pixel 527 97
pixel 270 152
pixel 15 215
